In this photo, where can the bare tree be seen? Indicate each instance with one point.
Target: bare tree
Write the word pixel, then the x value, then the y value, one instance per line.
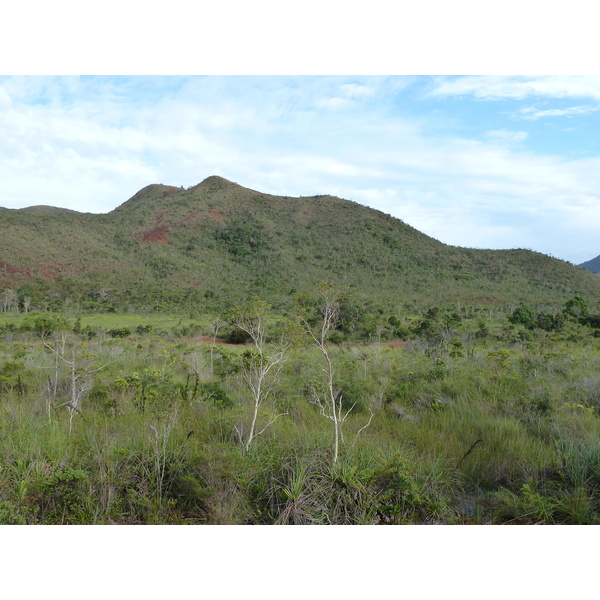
pixel 215 326
pixel 162 431
pixel 80 370
pixel 260 366
pixel 58 350
pixel 331 405
pixel 10 300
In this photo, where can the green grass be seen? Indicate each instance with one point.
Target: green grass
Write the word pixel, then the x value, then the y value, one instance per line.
pixel 503 431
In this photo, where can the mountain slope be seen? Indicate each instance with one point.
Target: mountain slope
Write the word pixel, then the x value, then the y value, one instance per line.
pixel 217 242
pixel 592 265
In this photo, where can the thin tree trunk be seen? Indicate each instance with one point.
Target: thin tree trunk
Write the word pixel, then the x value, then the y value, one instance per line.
pixel 253 425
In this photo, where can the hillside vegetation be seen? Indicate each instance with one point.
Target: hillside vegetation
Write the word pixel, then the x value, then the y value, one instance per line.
pixel 217 242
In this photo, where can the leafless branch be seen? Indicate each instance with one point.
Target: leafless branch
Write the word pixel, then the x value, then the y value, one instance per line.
pixel 368 423
pixel 270 423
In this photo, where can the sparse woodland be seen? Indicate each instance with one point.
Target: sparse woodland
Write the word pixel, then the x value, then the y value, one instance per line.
pixel 316 416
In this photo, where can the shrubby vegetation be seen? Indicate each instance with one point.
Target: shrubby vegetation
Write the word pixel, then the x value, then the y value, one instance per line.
pixel 208 248
pixel 485 414
pixel 173 362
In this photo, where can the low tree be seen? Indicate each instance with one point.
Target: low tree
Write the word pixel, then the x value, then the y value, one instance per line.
pixel 318 328
pixel 26 296
pixel 523 315
pixel 262 364
pixel 80 366
pixel 577 307
pixel 9 301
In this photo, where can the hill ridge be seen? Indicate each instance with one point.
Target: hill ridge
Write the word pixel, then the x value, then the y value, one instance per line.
pixel 592 265
pixel 217 242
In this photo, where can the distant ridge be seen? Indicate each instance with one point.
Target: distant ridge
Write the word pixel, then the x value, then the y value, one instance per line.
pixel 592 265
pixel 42 209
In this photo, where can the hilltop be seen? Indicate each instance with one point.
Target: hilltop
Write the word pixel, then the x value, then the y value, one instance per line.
pixel 217 242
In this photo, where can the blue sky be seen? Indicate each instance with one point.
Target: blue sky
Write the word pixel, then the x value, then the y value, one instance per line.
pixel 476 161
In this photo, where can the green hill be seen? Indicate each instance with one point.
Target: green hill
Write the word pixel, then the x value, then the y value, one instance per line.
pixel 217 242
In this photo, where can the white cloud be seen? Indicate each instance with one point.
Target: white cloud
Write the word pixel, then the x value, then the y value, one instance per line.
pixel 533 113
pixel 346 95
pixel 508 87
pixel 506 135
pixel 334 102
pixel 356 90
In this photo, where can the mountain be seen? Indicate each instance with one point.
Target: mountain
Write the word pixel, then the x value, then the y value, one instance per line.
pixel 592 265
pixel 215 243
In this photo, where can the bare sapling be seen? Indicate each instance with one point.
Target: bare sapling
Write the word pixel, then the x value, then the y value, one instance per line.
pixel 215 326
pixel 79 367
pixel 330 406
pixel 162 431
pixel 262 365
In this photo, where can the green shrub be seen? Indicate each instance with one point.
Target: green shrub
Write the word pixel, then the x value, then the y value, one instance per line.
pixel 61 497
pixel 213 391
pixel 523 315
pixel 10 515
pixel 121 332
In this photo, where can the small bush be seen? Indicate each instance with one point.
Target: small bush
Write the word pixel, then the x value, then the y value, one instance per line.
pixel 122 332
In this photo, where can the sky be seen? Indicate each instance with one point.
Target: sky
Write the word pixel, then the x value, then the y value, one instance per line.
pixel 474 161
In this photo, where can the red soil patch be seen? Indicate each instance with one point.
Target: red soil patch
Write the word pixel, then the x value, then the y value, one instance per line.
pixel 310 206
pixel 217 213
pixel 158 234
pixel 202 339
pixel 53 269
pixel 394 344
pixel 192 216
pixel 10 270
pixel 170 189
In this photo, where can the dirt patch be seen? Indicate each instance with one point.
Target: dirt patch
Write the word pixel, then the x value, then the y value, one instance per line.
pixel 202 339
pixel 394 344
pixel 10 270
pixel 158 234
pixel 217 213
pixel 191 216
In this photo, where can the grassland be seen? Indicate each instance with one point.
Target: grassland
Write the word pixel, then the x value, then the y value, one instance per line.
pixel 475 420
